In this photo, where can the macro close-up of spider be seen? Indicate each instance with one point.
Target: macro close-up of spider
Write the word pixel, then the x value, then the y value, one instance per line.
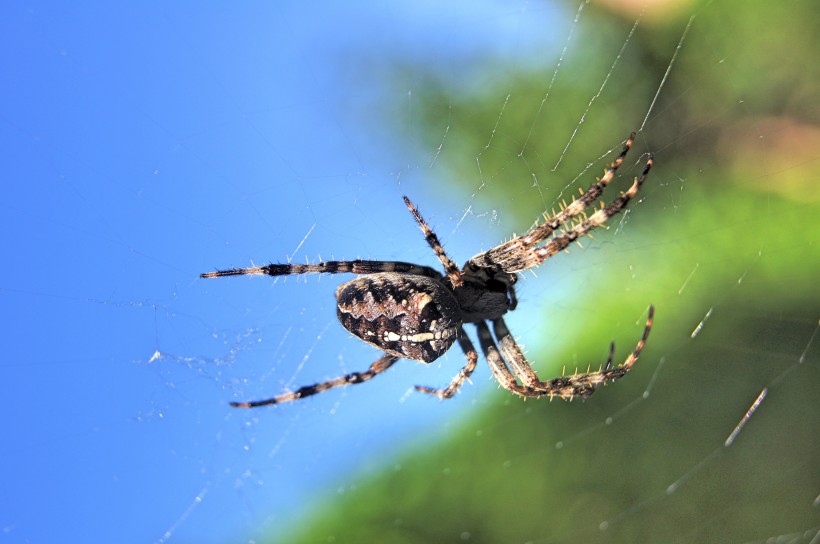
pixel 411 311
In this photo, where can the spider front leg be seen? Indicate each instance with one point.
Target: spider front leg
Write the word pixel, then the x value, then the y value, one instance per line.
pixel 514 356
pixel 520 253
pixel 566 387
pixel 382 364
pixel 498 366
pixel 560 242
pixel 464 373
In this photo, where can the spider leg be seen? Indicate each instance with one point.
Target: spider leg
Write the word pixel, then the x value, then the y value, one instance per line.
pixel 512 353
pixel 464 373
pixel 330 267
pixel 517 255
pixel 558 243
pixel 498 367
pixel 382 364
pixel 567 387
pixel 450 268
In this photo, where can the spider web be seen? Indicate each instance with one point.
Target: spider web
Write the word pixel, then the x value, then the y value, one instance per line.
pixel 275 134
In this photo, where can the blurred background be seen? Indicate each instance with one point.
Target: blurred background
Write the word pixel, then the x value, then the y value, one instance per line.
pixel 143 145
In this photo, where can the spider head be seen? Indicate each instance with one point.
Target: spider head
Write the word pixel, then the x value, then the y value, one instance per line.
pixel 485 294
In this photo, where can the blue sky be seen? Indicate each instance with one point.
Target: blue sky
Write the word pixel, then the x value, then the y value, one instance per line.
pixel 144 144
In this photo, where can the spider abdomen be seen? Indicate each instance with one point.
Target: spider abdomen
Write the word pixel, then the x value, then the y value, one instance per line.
pixel 409 316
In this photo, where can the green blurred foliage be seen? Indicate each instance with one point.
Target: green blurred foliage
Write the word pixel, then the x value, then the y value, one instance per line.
pixel 727 229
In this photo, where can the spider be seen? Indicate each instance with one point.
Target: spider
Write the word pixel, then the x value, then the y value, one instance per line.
pixel 410 311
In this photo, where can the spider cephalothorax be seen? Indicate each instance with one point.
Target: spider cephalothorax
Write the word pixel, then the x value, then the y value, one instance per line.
pixel 484 294
pixel 411 311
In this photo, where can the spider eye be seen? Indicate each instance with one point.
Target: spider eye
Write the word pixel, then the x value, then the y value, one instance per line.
pixel 413 317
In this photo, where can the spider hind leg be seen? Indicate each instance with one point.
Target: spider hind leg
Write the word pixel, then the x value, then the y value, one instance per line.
pixel 382 364
pixel 464 373
pixel 358 266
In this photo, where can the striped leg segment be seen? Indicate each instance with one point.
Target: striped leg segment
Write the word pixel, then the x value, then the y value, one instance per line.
pixel 560 242
pixel 566 387
pixel 464 374
pixel 382 364
pixel 329 267
pixel 521 253
pixel 451 270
